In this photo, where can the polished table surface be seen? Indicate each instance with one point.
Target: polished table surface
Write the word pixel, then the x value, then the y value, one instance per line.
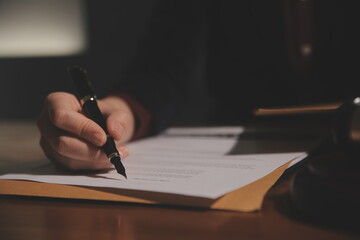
pixel 45 218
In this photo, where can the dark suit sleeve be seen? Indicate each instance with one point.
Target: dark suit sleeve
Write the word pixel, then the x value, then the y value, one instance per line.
pixel 165 60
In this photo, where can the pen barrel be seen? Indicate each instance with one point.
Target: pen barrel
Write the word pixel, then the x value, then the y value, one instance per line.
pixel 92 110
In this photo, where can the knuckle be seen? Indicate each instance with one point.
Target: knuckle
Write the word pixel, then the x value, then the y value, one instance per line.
pixel 124 114
pixel 95 156
pixel 84 128
pixel 92 159
pixel 57 116
pixel 62 145
pixel 51 96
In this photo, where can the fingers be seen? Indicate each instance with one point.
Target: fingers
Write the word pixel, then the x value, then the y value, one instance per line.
pixel 69 151
pixel 70 139
pixel 64 111
pixel 71 163
pixel 74 153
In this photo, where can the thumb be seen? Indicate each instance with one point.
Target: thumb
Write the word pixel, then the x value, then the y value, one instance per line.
pixel 120 125
pixel 120 120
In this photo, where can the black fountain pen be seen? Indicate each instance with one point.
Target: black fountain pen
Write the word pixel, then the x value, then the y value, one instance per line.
pixel 90 107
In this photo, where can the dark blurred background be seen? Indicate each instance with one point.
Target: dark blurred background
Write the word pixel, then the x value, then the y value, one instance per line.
pixel 39 39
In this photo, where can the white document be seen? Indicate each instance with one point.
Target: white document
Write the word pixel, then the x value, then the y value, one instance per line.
pixel 198 162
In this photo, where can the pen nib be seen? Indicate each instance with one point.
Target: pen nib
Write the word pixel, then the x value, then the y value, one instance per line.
pixel 118 165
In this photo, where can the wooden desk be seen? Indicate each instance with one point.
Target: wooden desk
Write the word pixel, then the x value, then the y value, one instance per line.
pixel 44 218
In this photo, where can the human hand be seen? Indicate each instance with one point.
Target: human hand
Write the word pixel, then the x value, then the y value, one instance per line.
pixel 71 140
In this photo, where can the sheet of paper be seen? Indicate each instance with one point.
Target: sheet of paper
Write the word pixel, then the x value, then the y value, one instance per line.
pixel 198 162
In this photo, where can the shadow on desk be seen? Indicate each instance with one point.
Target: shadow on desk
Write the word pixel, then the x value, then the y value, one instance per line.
pixel 273 142
pixel 279 135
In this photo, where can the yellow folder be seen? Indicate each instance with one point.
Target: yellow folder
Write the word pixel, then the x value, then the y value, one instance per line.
pixel 246 199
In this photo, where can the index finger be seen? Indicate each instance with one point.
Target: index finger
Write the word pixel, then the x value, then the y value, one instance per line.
pixel 64 111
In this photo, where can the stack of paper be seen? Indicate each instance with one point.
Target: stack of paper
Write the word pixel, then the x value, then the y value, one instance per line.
pixel 183 166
